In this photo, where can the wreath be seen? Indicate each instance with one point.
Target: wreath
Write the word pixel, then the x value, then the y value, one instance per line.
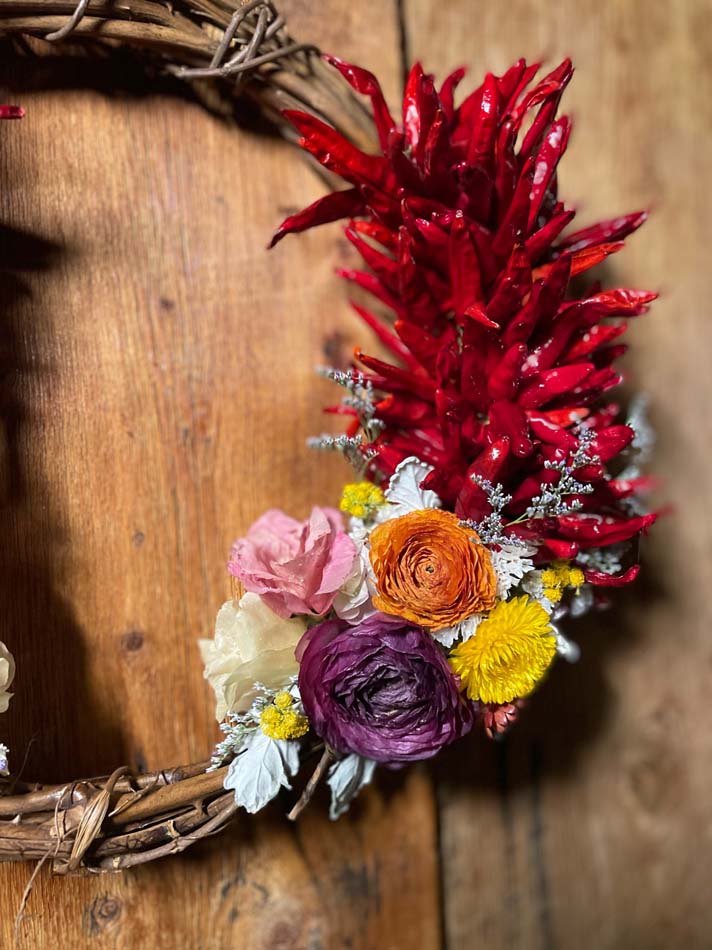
pixel 497 489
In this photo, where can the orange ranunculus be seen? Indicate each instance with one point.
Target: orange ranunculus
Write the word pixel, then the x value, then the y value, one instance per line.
pixel 431 570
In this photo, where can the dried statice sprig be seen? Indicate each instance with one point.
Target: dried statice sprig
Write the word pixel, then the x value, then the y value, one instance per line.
pixel 351 447
pixel 553 500
pixel 491 529
pixel 235 729
pixel 359 397
pixel 4 759
pixel 560 498
pixel 360 390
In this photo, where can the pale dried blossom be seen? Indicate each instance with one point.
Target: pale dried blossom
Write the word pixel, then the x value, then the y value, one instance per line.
pixel 7 674
pixel 295 566
pixel 252 644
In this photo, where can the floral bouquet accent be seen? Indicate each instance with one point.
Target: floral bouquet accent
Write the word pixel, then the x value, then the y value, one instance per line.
pixel 498 488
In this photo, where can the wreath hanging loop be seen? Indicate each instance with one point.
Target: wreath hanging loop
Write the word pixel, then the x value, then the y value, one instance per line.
pixel 199 41
pixel 255 36
pixel 70 25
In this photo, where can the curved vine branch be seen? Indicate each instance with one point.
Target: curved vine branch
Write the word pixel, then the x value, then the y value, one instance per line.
pixel 115 822
pixel 197 40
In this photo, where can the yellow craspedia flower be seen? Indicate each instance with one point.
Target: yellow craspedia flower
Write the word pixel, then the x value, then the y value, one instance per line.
pixel 508 655
pixel 283 700
pixel 576 577
pixel 280 721
pixel 559 576
pixel 361 499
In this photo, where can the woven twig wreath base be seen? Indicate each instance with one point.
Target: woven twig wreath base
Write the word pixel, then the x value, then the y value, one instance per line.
pixel 114 822
pixel 122 820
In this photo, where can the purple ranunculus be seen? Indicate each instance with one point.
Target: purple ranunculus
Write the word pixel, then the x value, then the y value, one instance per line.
pixel 382 689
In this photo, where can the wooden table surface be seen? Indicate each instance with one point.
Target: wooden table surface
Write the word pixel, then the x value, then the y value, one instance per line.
pixel 156 389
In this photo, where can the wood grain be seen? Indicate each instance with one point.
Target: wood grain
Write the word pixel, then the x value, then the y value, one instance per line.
pixel 144 325
pixel 157 390
pixel 592 826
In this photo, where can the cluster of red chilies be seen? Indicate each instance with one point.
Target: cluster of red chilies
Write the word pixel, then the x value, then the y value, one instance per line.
pixel 497 358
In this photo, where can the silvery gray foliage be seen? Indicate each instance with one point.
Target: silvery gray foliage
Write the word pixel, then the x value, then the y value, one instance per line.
pixel 582 601
pixel 640 449
pixel 261 769
pixel 567 649
pixel 637 455
pixel 346 779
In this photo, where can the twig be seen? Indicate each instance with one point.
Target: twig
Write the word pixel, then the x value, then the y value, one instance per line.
pixel 311 786
pixel 20 916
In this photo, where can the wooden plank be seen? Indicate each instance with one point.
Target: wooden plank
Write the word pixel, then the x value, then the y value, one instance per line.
pixel 157 392
pixel 591 827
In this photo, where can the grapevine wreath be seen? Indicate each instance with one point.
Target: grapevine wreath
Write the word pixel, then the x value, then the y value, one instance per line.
pixel 497 488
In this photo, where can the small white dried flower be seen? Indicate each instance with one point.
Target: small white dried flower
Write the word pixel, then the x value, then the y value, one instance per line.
pixel 511 564
pixel 7 674
pixel 461 631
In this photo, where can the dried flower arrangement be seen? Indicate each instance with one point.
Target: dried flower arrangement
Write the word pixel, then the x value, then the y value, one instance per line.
pixel 497 493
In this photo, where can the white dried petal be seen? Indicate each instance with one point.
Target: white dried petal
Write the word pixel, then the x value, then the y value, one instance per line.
pixel 404 493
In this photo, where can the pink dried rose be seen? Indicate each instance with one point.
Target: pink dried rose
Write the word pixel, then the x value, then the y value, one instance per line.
pixel 297 567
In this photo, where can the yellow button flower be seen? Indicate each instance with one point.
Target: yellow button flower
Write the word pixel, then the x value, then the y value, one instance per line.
pixel 508 655
pixel 361 499
pixel 280 721
pixel 559 576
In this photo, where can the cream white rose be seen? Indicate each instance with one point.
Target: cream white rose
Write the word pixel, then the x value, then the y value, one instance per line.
pixel 7 674
pixel 251 645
